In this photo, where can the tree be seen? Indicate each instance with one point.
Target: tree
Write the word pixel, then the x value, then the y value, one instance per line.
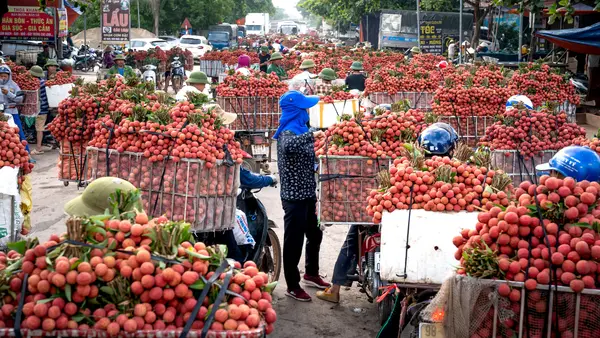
pixel 280 14
pixel 478 16
pixel 155 5
pixel 439 5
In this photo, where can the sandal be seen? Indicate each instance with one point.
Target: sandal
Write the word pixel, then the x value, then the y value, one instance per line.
pixel 327 296
pixel 37 152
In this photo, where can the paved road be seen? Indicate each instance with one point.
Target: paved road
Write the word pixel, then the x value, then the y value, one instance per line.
pixel 354 317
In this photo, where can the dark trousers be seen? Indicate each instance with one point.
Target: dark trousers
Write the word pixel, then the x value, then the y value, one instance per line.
pixel 346 261
pixel 300 220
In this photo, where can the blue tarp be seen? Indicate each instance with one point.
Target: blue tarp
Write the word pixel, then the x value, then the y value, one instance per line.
pixel 580 40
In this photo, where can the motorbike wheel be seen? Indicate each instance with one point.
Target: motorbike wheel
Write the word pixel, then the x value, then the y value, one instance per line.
pixel 176 83
pixel 385 307
pixel 271 260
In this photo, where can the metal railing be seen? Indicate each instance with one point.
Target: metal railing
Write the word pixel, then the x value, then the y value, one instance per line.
pixel 340 178
pixel 186 190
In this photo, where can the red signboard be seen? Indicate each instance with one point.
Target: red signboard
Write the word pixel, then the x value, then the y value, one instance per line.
pixel 115 20
pixel 27 23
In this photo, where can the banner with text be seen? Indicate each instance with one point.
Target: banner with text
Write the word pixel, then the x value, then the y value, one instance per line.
pixel 115 21
pixel 27 23
pixel 63 22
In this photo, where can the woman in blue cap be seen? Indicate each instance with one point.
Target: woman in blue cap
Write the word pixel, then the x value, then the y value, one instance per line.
pixel 296 160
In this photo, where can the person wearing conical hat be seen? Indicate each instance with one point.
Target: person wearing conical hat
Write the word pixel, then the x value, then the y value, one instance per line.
pixel 120 68
pixel 276 67
pixel 307 76
pixel 95 199
pixel 325 82
pixel 196 83
pixel 356 79
pixel 51 69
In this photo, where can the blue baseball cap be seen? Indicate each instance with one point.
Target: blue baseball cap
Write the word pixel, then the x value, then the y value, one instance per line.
pixel 580 163
pixel 298 100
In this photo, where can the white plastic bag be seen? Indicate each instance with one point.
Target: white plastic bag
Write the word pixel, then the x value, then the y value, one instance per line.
pixel 240 230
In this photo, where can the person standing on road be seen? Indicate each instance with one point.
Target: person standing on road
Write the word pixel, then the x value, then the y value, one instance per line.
pixel 264 58
pixel 356 79
pixel 10 96
pixel 296 164
pixel 70 40
pixel 276 67
pixel 40 119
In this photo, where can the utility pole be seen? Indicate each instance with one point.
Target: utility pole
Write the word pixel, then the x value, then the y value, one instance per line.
pixel 59 40
pixel 460 32
pixel 418 25
pixel 138 10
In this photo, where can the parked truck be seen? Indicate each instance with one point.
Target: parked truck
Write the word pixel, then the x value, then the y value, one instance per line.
pixel 257 24
pixel 398 29
pixel 288 28
pixel 223 36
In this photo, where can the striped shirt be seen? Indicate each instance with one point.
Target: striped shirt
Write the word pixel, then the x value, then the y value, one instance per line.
pixel 44 107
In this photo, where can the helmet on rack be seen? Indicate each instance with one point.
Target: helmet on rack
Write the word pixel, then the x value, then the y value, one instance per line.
pixel 580 163
pixel 514 100
pixel 438 139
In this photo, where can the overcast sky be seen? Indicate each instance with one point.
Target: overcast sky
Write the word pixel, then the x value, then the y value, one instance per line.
pixel 289 6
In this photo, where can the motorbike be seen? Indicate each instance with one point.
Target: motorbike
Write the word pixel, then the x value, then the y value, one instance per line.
pixel 149 74
pixel 177 74
pixel 369 239
pixel 267 251
pixel 86 59
pixel 580 82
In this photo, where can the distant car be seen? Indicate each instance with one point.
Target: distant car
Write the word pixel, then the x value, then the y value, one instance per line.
pixel 171 40
pixel 145 44
pixel 196 44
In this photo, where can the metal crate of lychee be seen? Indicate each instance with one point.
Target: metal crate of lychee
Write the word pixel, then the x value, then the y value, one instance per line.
pixel 469 128
pixel 80 333
pixel 519 168
pixel 31 103
pixel 345 183
pixel 186 190
pixel 535 313
pixel 212 68
pixel 418 100
pixel 254 113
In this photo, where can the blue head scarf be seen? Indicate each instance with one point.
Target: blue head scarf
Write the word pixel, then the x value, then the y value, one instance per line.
pixel 294 116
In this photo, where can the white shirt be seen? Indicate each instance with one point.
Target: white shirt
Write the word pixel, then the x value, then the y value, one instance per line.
pixel 310 80
pixel 244 71
pixel 182 93
pixel 276 47
pixel 451 50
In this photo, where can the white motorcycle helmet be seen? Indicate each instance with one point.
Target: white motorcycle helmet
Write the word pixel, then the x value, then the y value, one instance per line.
pixel 515 100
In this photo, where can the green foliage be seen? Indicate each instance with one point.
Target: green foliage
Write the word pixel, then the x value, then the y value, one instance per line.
pixel 439 5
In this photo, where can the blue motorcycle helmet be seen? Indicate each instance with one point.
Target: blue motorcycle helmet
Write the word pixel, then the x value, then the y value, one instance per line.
pixel 438 139
pixel 577 162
